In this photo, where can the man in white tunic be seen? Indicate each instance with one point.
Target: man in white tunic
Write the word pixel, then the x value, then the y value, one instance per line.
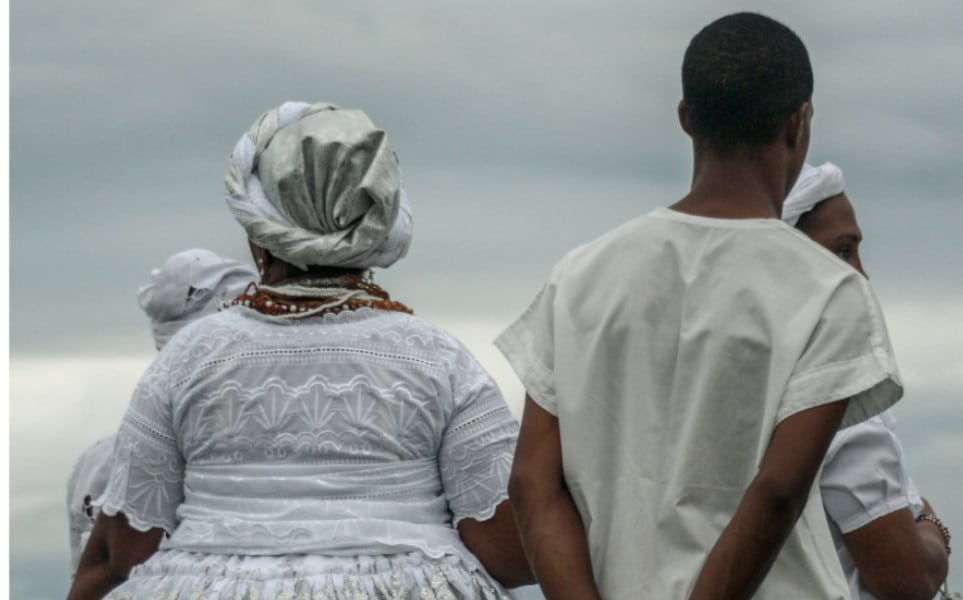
pixel 686 372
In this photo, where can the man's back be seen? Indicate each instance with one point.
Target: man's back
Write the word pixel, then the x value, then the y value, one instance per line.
pixel 684 382
pixel 677 344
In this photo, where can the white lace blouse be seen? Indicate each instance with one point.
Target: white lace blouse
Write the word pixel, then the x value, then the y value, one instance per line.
pixel 363 433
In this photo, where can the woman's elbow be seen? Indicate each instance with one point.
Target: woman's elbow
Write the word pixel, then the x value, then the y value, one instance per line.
pixel 497 545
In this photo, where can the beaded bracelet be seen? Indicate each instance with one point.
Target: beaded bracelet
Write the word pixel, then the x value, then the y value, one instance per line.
pixel 943 528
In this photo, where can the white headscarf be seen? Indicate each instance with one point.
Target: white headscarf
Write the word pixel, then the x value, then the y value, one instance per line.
pixel 189 285
pixel 814 185
pixel 318 185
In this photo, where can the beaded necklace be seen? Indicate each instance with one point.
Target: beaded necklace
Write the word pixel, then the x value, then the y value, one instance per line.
pixel 313 297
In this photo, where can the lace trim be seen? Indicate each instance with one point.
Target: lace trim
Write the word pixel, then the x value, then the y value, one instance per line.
pixel 144 425
pixel 475 420
pixel 112 509
pixel 288 352
pixel 482 514
pixel 179 574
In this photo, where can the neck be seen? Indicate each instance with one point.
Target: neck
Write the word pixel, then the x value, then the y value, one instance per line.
pixel 281 273
pixel 275 271
pixel 736 187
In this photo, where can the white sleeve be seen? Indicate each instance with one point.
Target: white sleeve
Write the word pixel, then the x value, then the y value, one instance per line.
pixel 864 476
pixel 847 356
pixel 146 481
pixel 529 346
pixel 475 458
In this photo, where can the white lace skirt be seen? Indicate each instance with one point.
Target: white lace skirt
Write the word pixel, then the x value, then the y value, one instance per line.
pixel 176 574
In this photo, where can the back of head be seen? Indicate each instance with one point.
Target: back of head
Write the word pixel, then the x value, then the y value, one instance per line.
pixel 742 76
pixel 318 185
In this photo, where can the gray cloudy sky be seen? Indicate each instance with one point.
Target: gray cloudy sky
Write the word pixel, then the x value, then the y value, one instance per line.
pixel 524 128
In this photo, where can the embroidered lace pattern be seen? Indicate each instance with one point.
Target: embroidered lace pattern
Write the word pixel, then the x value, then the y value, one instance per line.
pixel 251 435
pixel 177 574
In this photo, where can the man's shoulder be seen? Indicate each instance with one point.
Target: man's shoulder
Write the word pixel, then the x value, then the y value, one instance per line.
pixel 632 232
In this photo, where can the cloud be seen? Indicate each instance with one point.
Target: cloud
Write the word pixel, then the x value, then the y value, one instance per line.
pixel 523 129
pixel 928 341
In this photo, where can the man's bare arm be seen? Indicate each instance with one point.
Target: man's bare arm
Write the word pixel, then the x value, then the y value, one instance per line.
pixel 748 546
pixel 547 518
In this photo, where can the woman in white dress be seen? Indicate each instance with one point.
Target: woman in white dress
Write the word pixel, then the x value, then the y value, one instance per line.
pixel 889 541
pixel 189 285
pixel 314 440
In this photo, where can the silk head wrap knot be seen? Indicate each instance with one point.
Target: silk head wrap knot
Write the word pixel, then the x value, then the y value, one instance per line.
pixel 189 285
pixel 814 185
pixel 315 184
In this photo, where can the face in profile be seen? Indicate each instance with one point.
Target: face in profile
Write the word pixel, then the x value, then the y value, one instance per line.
pixel 832 224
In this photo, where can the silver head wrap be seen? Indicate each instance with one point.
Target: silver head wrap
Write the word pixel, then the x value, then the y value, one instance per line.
pixel 318 185
pixel 190 285
pixel 814 185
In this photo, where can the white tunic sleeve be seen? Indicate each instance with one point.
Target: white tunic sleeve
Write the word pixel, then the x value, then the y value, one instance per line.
pixel 529 346
pixel 864 477
pixel 847 356
pixel 146 482
pixel 478 444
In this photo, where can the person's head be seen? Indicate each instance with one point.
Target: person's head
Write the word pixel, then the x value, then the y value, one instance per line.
pixel 818 206
pixel 317 186
pixel 190 285
pixel 745 79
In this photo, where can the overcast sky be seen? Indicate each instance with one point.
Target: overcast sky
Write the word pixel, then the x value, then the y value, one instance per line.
pixel 523 129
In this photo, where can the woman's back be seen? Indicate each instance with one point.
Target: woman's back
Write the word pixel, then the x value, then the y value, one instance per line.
pixel 368 432
pixel 340 446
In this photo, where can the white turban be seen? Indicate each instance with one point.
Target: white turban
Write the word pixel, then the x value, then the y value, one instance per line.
pixel 190 285
pixel 814 185
pixel 318 185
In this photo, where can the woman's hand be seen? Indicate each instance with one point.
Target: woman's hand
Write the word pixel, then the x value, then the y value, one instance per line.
pixel 113 549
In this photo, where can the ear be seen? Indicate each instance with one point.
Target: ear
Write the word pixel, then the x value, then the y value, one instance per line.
pixel 684 118
pixel 797 127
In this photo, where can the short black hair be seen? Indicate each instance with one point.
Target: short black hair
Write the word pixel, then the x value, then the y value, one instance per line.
pixel 742 76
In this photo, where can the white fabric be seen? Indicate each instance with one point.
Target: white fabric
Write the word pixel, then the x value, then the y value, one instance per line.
pixel 669 349
pixel 190 285
pixel 363 433
pixel 88 480
pixel 177 574
pixel 864 478
pixel 814 185
pixel 319 185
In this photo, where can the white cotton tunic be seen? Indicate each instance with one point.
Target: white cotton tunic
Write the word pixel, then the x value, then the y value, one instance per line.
pixel 327 457
pixel 864 478
pixel 669 349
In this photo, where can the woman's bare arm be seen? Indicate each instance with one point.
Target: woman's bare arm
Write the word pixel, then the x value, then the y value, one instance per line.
pixel 112 551
pixel 898 558
pixel 497 545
